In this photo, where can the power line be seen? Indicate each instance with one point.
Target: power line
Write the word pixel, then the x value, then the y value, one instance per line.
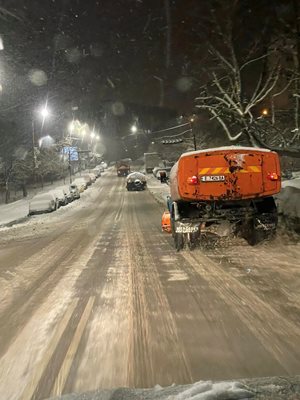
pixel 173 127
pixel 179 134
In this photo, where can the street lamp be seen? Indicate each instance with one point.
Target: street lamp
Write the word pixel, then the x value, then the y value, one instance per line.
pixel 44 112
pixel 93 135
pixel 192 120
pixel 71 127
pixel 97 137
pixel 133 129
pixel 265 112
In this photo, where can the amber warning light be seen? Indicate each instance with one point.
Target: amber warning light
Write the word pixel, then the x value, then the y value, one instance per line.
pixel 272 176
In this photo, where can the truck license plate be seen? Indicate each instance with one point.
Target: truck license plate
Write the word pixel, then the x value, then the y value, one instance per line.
pixel 213 178
pixel 186 229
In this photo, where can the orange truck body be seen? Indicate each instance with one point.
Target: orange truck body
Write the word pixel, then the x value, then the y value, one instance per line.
pixel 227 173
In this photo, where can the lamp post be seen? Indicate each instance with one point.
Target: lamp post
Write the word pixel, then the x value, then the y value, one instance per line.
pixel 133 129
pixel 44 113
pixel 192 120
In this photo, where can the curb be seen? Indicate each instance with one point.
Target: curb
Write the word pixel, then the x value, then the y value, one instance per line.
pixel 14 222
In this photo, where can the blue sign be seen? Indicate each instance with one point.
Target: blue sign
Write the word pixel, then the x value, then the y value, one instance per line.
pixel 71 152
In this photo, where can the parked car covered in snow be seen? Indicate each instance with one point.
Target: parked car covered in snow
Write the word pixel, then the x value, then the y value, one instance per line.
pixel 96 171
pixel 74 189
pixel 80 183
pixel 67 193
pixel 43 202
pixel 100 167
pixel 60 195
pixel 88 179
pixel 93 176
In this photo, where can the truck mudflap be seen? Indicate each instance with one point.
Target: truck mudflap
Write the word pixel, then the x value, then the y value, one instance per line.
pixel 265 222
pixel 261 228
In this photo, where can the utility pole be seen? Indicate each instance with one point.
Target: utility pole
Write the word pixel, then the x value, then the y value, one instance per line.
pixel 70 167
pixel 193 132
pixel 34 153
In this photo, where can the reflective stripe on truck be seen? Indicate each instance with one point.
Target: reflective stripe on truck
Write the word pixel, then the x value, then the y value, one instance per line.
pixel 225 170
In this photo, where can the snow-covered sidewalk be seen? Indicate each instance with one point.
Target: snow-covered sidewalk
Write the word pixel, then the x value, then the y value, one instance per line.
pixel 16 212
pixel 159 190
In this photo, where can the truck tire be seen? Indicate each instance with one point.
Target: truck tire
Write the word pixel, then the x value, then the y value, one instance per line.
pixel 178 241
pixel 192 239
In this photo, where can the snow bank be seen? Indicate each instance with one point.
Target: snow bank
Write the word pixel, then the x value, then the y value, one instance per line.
pixel 273 388
pixel 288 204
pixel 14 212
pixel 213 391
pixel 292 183
pixel 288 201
pixel 159 190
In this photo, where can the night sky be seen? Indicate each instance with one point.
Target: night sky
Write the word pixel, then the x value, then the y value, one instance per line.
pixel 85 53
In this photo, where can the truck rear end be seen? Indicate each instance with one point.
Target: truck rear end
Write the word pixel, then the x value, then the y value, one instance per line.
pixel 232 184
pixel 123 168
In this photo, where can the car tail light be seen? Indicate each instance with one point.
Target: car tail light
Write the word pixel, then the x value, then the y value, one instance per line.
pixel 272 176
pixel 192 180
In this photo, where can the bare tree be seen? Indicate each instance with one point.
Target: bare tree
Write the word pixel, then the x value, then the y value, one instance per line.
pixel 239 84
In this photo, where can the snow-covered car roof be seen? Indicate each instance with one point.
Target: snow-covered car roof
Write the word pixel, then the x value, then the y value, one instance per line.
pixel 41 196
pixel 136 175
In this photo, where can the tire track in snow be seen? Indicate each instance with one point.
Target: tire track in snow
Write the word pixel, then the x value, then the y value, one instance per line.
pixel 278 335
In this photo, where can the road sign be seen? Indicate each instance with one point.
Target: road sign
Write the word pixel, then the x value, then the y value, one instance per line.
pixel 71 152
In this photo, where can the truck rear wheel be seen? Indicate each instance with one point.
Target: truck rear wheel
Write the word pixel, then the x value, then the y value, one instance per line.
pixel 192 240
pixel 178 241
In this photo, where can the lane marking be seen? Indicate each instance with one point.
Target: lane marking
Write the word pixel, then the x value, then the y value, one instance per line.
pixel 64 371
pixel 40 369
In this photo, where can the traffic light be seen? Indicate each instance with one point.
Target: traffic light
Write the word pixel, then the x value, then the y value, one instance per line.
pixel 172 141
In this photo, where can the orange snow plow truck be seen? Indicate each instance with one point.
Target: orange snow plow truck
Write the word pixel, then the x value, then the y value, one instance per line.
pixel 227 186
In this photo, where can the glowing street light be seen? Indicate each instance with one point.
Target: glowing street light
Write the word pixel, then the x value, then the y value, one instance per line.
pixel 93 135
pixel 71 126
pixel 97 137
pixel 44 112
pixel 133 129
pixel 265 112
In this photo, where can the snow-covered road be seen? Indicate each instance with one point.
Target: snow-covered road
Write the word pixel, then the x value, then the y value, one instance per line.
pixel 94 296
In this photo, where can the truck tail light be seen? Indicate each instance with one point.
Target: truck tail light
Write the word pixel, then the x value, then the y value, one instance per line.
pixel 272 176
pixel 192 180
